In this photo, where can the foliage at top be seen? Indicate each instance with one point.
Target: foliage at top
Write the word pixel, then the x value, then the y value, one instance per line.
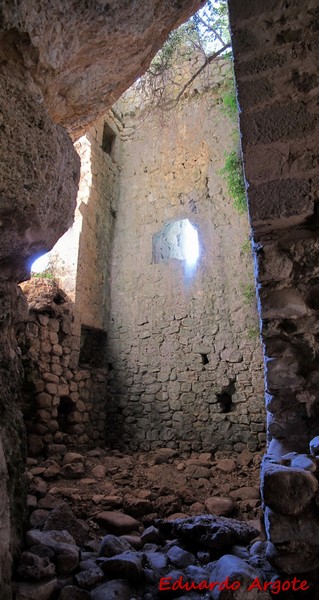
pixel 206 34
pixel 211 23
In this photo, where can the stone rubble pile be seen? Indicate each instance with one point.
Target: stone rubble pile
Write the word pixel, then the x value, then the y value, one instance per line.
pixel 64 560
pixel 107 526
pixel 146 486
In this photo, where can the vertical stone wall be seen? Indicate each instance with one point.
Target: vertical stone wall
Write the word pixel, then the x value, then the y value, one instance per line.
pixel 80 260
pixel 64 339
pixel 63 397
pixel 13 309
pixel 185 362
pixel 276 46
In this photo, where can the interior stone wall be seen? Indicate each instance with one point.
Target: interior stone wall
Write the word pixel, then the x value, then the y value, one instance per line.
pixel 46 71
pixel 80 261
pixel 178 340
pixel 276 64
pixel 64 397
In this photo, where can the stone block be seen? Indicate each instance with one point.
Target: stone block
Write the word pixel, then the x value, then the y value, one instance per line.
pixel 283 529
pixel 63 390
pixel 287 490
pixel 43 400
pixel 51 388
pixel 294 203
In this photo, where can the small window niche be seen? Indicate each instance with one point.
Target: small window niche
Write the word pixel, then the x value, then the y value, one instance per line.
pixel 225 399
pixel 66 410
pixel 177 239
pixel 108 140
pixel 92 349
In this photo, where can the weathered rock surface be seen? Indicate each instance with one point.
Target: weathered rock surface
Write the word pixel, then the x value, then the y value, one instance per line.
pixel 71 592
pixel 89 578
pixel 34 567
pixel 66 49
pixel 65 551
pixel 237 570
pixel 127 565
pixel 180 558
pixel 13 309
pixel 220 506
pixel 112 545
pixel 117 522
pixel 212 532
pixel 131 566
pixel 297 488
pixel 37 206
pixel 113 590
pixel 64 519
pixel 41 590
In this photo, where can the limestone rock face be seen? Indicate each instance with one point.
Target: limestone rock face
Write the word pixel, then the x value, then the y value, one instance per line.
pixel 39 174
pixel 83 55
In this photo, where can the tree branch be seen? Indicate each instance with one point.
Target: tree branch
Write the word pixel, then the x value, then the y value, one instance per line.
pixel 209 59
pixel 210 28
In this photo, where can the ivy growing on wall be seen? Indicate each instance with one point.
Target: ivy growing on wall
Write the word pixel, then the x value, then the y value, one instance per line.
pixel 232 170
pixel 233 175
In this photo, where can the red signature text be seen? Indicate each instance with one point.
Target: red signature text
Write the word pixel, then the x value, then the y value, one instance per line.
pixel 275 587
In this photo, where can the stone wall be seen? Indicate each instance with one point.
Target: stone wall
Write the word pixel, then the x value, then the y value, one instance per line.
pixel 183 346
pixel 46 71
pixel 276 65
pixel 13 308
pixel 80 260
pixel 64 397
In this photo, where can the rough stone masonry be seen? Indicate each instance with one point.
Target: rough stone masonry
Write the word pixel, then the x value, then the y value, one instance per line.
pixel 45 68
pixel 276 65
pixel 183 354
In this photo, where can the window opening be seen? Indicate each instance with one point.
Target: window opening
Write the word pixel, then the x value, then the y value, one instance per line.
pixel 108 139
pixel 205 359
pixel 177 239
pixel 65 409
pixel 92 349
pixel 225 399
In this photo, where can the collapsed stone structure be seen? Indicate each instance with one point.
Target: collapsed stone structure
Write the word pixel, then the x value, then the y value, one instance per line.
pixel 275 49
pixel 183 341
pixel 181 348
pixel 63 399
pixel 40 50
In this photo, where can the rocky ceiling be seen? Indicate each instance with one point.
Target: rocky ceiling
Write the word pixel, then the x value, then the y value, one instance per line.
pixel 63 63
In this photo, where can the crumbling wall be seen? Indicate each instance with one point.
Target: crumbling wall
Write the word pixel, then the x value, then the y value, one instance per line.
pixel 80 261
pixel 276 65
pixel 63 397
pixel 183 344
pixel 44 69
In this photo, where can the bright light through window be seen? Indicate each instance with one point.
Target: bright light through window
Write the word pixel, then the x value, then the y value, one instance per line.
pixel 40 264
pixel 190 243
pixel 179 240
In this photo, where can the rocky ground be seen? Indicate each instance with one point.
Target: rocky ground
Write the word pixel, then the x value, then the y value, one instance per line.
pixel 148 485
pixel 108 526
